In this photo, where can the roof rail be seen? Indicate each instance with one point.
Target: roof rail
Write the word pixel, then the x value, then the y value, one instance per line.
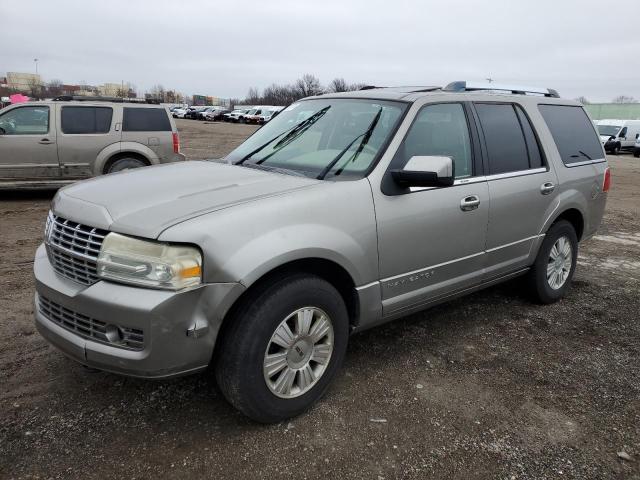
pixel 464 86
pixel 84 98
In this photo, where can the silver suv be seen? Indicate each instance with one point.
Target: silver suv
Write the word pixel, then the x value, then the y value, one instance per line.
pixel 344 212
pixel 56 142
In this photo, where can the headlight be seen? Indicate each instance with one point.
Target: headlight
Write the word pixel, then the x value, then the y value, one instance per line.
pixel 149 264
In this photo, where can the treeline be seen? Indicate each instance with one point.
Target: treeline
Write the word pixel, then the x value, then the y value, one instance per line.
pixel 305 86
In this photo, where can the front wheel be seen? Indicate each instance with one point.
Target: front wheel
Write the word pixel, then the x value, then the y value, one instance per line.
pixel 551 274
pixel 283 348
pixel 616 150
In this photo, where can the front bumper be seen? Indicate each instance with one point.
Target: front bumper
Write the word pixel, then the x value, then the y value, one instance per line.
pixel 180 328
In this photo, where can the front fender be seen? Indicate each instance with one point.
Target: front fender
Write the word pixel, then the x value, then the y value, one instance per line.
pixel 278 247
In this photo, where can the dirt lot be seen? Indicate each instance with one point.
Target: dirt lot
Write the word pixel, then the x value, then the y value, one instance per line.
pixel 490 386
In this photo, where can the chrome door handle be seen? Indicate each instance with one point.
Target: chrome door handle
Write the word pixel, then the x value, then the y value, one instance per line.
pixel 45 141
pixel 547 188
pixel 469 203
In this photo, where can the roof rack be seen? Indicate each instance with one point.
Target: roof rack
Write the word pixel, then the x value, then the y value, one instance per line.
pixel 464 86
pixel 83 98
pixel 407 89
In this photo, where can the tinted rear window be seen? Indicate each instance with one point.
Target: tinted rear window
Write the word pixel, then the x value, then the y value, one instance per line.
pixel 573 133
pixel 78 120
pixel 145 120
pixel 503 136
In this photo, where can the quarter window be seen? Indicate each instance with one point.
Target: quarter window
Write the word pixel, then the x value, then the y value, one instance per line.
pixel 504 138
pixel 25 121
pixel 145 120
pixel 86 120
pixel 439 130
pixel 572 132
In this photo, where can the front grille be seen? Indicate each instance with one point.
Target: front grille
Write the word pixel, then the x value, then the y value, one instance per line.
pixel 73 248
pixel 87 327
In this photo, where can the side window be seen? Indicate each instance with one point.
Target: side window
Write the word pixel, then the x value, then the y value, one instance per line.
pixel 86 120
pixel 25 121
pixel 533 147
pixel 572 132
pixel 145 120
pixel 439 130
pixel 504 138
pixel 623 133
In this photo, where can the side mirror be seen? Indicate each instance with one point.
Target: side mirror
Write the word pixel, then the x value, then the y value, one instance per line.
pixel 426 171
pixel 637 135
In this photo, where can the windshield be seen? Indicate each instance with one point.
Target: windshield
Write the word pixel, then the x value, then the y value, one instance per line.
pixel 343 135
pixel 611 130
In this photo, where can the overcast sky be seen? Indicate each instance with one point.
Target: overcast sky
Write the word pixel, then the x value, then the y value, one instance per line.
pixel 221 48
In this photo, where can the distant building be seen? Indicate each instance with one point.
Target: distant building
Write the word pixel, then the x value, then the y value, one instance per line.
pixel 619 111
pixel 23 82
pixel 110 89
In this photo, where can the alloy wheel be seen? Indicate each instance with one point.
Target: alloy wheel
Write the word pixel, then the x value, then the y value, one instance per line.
pixel 559 264
pixel 298 352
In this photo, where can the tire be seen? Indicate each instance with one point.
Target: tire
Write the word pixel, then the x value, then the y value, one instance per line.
pixel 126 163
pixel 636 153
pixel 251 337
pixel 616 150
pixel 549 281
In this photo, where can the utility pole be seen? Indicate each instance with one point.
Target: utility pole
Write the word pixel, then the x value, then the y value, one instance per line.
pixel 35 60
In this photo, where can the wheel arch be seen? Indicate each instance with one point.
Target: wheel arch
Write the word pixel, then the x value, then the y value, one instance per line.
pixel 328 270
pixel 574 216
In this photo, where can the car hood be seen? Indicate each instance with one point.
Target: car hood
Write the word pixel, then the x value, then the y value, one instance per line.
pixel 147 201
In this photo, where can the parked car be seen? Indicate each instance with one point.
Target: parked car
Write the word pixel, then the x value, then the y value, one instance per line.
pixel 617 135
pixel 236 116
pixel 268 114
pixel 202 114
pixel 377 204
pixel 56 142
pixel 179 112
pixel 193 112
pixel 217 114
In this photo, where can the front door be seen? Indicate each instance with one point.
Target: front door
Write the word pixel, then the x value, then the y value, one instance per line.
pixel 431 241
pixel 28 143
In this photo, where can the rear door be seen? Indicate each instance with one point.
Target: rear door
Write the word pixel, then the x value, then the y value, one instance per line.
pixel 85 130
pixel 522 186
pixel 149 126
pixel 28 143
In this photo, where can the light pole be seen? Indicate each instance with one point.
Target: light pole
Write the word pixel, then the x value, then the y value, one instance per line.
pixel 35 60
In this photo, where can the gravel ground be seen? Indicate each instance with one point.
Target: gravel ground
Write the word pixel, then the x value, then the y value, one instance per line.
pixel 489 386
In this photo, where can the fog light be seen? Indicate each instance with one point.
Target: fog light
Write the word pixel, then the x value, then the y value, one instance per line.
pixel 114 333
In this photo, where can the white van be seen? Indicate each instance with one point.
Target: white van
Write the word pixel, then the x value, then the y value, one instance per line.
pixel 616 135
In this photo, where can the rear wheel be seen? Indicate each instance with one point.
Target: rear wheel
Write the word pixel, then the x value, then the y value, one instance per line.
pixel 283 348
pixel 550 277
pixel 126 163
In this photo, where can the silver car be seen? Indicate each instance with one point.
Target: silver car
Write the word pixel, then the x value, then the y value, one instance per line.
pixel 344 212
pixel 58 142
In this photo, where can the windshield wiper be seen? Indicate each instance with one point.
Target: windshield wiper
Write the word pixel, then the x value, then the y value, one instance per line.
pixel 289 133
pixel 581 154
pixel 366 135
pixel 269 168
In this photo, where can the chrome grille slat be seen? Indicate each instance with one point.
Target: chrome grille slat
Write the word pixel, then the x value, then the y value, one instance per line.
pixel 88 327
pixel 73 248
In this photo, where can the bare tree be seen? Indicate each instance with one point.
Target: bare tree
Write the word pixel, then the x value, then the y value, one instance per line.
pixel 624 99
pixel 308 85
pixel 583 100
pixel 54 88
pixel 253 95
pixel 35 87
pixel 338 85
